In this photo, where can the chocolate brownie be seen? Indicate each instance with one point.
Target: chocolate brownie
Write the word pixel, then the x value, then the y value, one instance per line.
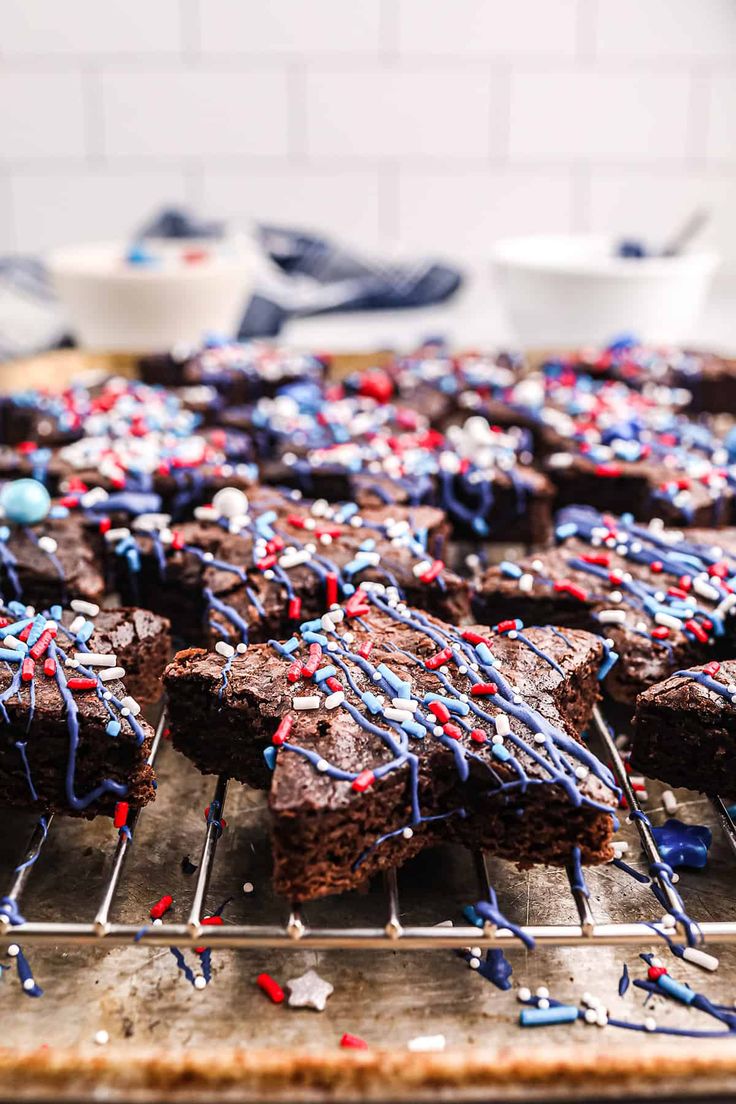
pixel 392 730
pixel 252 568
pixel 240 371
pixel 183 470
pixel 685 729
pixel 663 600
pixel 50 562
pixel 71 737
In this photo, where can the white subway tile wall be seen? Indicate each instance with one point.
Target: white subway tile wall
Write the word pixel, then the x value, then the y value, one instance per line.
pixel 413 125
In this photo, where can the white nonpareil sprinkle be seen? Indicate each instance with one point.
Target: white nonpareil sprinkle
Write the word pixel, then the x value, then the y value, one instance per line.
pixel 526 582
pixel 328 625
pixel 96 659
pixel 107 674
pixel 89 609
pixel 224 649
pixel 131 705
pixel 200 982
pixel 47 544
pixel 308 701
pixel 102 1038
pixel 76 625
pixel 333 700
pixel 423 1043
pixel 112 536
pixel 669 801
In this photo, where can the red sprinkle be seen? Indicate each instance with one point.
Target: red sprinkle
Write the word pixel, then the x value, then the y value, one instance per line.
pixel 712 668
pixel 436 569
pixel 479 736
pixel 436 661
pixel 482 688
pixel 295 609
pixel 282 732
pixel 654 973
pixel 333 684
pixel 365 779
pixel 566 587
pixel 697 630
pixel 105 524
pixel 80 683
pixel 331 588
pixel 601 559
pixel 476 638
pixel 661 632
pixel 49 667
pixel 505 626
pixel 294 672
pixel 365 649
pixel 120 816
pixel 440 710
pixel 610 471
pixel 270 987
pixel 656 566
pixel 27 670
pixel 452 731
pixel 266 563
pixel 353 1041
pixel 162 905
pixel 42 643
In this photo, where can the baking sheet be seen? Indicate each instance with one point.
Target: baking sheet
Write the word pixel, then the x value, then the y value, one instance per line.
pixel 167 1038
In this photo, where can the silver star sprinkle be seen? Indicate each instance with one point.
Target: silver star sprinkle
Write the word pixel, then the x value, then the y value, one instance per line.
pixel 309 991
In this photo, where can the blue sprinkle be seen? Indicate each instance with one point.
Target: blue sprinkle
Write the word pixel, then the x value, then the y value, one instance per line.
pixel 290 645
pixel 269 754
pixel 453 704
pixel 310 626
pixel 500 752
pixel 315 638
pixel 607 664
pixel 324 673
pixel 569 529
pixel 541 1017
pixel 371 702
pixel 484 654
pixel 113 728
pixel 510 569
pixel 414 729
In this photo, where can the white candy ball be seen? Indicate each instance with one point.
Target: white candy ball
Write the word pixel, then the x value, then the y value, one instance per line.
pixel 230 502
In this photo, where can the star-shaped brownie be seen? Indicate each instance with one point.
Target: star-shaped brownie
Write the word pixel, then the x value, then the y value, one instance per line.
pixel 389 730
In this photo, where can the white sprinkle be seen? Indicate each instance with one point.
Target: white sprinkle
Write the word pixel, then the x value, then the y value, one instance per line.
pixel 47 544
pixel 669 802
pixel 474 963
pixel 322 765
pixel 102 1038
pixel 107 674
pixel 328 625
pixel 337 613
pixel 333 700
pixel 399 715
pixel 524 994
pixel 543 1003
pixel 76 625
pixel 421 568
pixel 427 1042
pixel 405 703
pixel 526 582
pixel 407 833
pixel 667 620
pixel 89 609
pixel 206 513
pixel 542 991
pixel 590 1015
pixel 612 617
pixel 650 1024
pixel 307 701
pixel 131 705
pixel 14 643
pixel 224 649
pixel 438 730
pixel 112 536
pixel 705 590
pixel 29 984
pixel 539 738
pixel 501 722
pixel 700 958
pixel 13 950
pixel 96 659
pixel 241 648
pixel 293 559
pixel 248 887
pixel 199 982
pixel 581 772
pixel 158 922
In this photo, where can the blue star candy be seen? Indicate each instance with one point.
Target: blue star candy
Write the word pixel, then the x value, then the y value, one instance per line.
pixel 683 844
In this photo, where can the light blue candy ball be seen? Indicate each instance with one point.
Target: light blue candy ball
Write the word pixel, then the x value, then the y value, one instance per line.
pixel 25 501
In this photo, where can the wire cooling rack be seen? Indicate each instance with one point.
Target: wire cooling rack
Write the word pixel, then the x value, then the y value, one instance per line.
pixel 297 933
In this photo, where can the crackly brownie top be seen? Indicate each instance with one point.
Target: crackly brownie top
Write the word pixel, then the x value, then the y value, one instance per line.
pixel 282 549
pixel 647 581
pixel 708 690
pixel 376 687
pixel 58 550
pixel 62 667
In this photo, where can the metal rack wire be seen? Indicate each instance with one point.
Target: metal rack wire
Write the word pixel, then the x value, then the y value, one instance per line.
pixel 297 933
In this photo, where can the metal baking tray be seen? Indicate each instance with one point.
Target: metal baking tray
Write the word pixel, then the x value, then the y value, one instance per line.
pixel 104 966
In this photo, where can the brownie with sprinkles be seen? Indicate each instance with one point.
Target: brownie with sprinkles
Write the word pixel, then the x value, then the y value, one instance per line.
pixel 72 739
pixel 392 730
pixel 52 561
pixel 664 598
pixel 240 371
pixel 252 567
pixel 685 729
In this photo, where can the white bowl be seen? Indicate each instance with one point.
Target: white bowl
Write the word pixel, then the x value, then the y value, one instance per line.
pixel 115 305
pixel 562 289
